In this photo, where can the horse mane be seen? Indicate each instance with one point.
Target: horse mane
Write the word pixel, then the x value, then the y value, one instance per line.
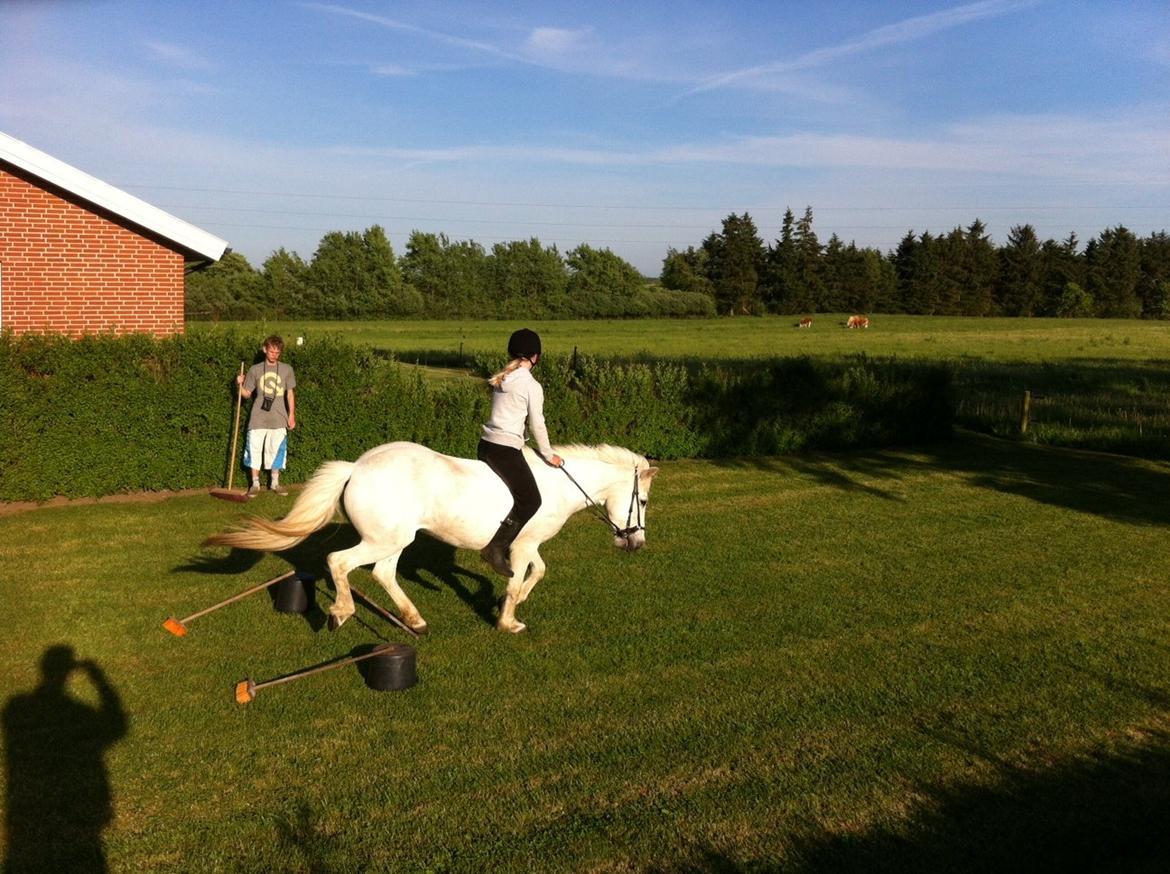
pixel 602 452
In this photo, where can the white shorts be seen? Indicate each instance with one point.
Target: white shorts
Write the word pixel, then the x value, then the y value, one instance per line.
pixel 266 448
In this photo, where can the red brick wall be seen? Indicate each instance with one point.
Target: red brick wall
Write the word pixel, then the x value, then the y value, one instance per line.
pixel 71 269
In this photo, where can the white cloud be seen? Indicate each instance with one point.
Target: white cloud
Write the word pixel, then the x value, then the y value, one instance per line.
pixel 552 48
pixel 178 56
pixel 553 41
pixel 1072 149
pixel 907 30
pixel 396 70
pixel 404 27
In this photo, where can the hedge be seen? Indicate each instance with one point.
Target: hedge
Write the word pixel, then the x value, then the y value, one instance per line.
pixel 108 414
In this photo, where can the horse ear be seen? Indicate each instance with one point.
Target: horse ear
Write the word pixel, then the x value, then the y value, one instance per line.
pixel 649 473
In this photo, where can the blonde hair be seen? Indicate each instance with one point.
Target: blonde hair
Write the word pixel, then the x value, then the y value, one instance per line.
pixel 495 380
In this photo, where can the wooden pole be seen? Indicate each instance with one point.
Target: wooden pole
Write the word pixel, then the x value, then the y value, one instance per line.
pixel 1027 411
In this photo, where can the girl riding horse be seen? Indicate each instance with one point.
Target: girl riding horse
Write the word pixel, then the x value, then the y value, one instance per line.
pixel 516 397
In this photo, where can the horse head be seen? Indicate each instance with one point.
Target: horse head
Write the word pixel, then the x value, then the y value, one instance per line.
pixel 625 505
pixel 616 487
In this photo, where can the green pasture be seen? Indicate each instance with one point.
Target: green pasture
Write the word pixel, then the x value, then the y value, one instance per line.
pixel 935 337
pixel 1096 383
pixel 947 658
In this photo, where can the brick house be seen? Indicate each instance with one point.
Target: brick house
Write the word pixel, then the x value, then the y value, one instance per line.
pixel 78 256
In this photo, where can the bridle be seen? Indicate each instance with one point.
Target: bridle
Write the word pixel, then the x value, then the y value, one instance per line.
pixel 633 513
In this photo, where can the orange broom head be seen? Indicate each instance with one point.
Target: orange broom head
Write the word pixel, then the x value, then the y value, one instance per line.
pixel 175 627
pixel 245 691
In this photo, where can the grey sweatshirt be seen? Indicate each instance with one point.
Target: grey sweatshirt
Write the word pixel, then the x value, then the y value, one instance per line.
pixel 518 397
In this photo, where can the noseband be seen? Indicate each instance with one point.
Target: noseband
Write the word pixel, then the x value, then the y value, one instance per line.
pixel 634 513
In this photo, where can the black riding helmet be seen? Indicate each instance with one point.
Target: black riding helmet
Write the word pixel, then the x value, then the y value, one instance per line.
pixel 524 343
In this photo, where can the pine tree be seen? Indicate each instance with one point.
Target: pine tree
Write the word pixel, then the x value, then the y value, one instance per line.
pixel 809 282
pixel 1021 270
pixel 737 254
pixel 982 272
pixel 1154 283
pixel 778 284
pixel 1112 270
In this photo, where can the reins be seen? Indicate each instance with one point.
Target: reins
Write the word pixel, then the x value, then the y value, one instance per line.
pixel 597 511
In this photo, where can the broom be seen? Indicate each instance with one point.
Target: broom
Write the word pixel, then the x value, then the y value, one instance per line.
pixel 227 494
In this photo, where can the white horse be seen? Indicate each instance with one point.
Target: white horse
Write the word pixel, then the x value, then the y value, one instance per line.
pixel 396 490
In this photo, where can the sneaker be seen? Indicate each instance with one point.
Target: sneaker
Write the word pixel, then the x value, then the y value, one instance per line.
pixel 253 490
pixel 278 489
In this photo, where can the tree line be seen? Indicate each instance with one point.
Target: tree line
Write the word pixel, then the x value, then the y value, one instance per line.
pixel 960 273
pixel 357 275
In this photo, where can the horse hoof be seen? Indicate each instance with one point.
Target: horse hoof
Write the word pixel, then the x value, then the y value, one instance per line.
pixel 420 630
pixel 335 622
pixel 516 627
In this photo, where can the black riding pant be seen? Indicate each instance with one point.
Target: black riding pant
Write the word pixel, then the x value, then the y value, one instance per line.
pixel 510 466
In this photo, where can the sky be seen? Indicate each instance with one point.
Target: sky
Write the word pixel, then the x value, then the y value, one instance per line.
pixel 633 126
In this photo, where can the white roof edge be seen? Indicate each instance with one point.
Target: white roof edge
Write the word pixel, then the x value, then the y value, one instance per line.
pixel 60 174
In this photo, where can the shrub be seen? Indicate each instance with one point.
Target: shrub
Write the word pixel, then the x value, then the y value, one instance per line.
pixel 106 414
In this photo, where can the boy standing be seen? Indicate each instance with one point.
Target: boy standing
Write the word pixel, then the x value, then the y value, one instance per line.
pixel 274 414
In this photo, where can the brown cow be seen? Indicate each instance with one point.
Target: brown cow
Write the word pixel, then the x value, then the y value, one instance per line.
pixel 806 322
pixel 857 322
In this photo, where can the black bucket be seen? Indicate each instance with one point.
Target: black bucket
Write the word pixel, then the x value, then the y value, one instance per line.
pixel 391 668
pixel 294 594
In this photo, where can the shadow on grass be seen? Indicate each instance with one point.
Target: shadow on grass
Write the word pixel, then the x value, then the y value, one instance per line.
pixel 1102 812
pixel 427 562
pixel 1114 487
pixel 1109 405
pixel 58 796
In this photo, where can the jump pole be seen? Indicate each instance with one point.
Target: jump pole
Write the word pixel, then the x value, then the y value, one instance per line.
pixel 385 614
pixel 178 627
pixel 246 689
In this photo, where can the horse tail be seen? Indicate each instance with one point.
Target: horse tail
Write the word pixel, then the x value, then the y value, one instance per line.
pixel 315 506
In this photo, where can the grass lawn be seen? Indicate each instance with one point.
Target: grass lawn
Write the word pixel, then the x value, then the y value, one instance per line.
pixel 945 658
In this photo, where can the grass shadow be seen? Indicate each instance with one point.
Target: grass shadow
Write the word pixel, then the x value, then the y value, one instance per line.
pixel 426 561
pixel 436 559
pixel 1114 487
pixel 1103 811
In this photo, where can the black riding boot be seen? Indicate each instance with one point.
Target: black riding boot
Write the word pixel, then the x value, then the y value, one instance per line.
pixel 496 552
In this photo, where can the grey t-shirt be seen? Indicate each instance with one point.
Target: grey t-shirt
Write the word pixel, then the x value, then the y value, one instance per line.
pixel 269 381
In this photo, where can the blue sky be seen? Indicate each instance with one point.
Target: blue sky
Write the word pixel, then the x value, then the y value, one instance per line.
pixel 632 126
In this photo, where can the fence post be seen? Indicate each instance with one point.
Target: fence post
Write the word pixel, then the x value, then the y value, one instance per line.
pixel 1027 410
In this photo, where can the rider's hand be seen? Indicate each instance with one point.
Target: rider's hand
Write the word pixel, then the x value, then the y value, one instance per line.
pixel 555 460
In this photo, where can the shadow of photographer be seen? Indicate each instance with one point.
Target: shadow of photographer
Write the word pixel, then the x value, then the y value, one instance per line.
pixel 58 796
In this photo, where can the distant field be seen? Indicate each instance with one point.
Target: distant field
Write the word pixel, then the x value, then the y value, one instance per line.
pixel 1031 340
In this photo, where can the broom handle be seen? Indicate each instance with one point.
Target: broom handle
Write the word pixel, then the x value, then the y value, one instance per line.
pixel 385 614
pixel 235 431
pixel 237 597
pixel 380 650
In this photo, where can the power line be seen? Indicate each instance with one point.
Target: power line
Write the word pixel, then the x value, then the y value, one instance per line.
pixel 481 220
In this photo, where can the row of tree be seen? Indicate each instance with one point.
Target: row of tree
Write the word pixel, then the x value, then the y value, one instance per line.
pixel 357 276
pixel 959 273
